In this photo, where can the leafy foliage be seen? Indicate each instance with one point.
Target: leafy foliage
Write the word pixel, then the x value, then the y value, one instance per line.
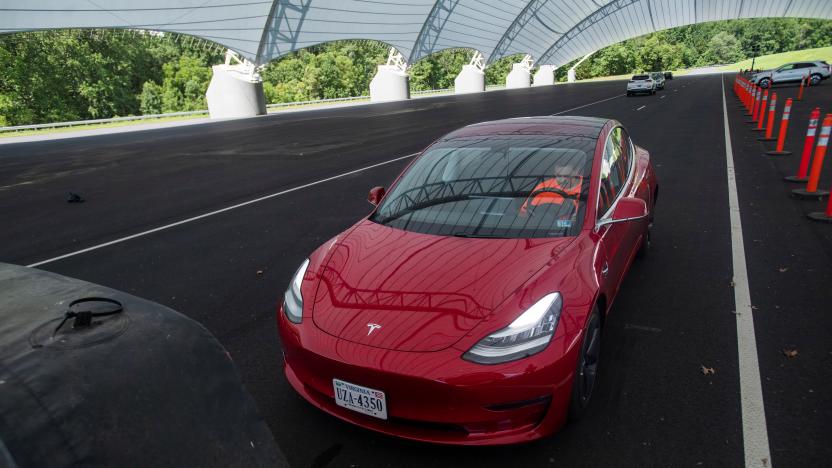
pixel 706 44
pixel 79 74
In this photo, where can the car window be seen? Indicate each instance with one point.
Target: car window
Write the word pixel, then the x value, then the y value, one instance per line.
pixel 494 186
pixel 640 77
pixel 626 153
pixel 613 173
pixel 786 67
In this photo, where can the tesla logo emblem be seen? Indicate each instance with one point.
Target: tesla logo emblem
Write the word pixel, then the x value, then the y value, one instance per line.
pixel 372 327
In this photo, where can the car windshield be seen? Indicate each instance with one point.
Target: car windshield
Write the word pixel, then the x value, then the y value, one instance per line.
pixel 504 187
pixel 656 75
pixel 640 77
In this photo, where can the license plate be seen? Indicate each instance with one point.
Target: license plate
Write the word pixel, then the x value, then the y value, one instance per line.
pixel 362 399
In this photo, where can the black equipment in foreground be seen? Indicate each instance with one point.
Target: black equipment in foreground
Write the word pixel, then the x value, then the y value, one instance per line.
pixel 90 376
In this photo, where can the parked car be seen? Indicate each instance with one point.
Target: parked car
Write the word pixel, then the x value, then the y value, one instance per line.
pixel 641 84
pixel 467 307
pixel 793 72
pixel 668 75
pixel 658 77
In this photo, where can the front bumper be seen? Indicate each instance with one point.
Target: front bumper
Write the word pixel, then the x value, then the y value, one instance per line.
pixel 435 397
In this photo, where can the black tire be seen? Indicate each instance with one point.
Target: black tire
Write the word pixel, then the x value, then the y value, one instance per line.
pixel 815 79
pixel 644 249
pixel 586 370
pixel 629 94
pixel 765 83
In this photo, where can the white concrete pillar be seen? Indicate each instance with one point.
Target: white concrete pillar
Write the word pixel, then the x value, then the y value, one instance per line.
pixel 570 75
pixel 236 90
pixel 521 74
pixel 472 77
pixel 470 80
pixel 389 84
pixel 545 75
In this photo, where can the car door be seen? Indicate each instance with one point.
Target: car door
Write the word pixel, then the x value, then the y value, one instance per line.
pixel 613 237
pixel 785 73
pixel 802 70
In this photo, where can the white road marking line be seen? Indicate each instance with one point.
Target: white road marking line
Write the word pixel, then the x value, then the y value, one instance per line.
pixel 631 326
pixel 587 105
pixel 754 432
pixel 216 212
pixel 246 203
pixel 663 96
pixel 640 108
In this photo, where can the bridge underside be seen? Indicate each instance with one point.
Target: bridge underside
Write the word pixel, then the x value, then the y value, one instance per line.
pixel 554 32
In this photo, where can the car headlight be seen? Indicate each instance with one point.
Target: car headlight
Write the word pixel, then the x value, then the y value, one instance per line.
pixel 528 334
pixel 293 300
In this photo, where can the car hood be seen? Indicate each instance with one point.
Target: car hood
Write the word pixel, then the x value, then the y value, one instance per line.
pixel 424 291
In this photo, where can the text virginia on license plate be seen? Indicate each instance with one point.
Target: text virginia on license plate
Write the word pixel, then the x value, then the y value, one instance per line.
pixel 362 399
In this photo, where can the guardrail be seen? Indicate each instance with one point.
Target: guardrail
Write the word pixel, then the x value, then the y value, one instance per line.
pixel 99 121
pixel 201 112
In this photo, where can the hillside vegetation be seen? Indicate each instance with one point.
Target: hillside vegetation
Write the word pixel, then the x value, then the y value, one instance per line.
pixel 80 74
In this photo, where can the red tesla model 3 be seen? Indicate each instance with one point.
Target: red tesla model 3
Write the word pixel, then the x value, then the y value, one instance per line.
pixel 467 308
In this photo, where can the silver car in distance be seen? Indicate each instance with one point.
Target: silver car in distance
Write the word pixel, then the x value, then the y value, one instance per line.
pixel 641 84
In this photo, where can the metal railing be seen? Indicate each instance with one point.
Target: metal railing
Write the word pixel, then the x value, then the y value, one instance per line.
pixel 76 123
pixel 279 105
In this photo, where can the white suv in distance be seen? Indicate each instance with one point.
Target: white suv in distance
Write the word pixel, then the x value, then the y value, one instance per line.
pixel 641 84
pixel 792 72
pixel 658 77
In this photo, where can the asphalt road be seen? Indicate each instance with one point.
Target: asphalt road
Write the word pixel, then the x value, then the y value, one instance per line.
pixel 654 406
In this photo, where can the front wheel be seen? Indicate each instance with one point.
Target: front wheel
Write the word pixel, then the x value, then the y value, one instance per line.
pixel 587 370
pixel 644 249
pixel 765 83
pixel 815 79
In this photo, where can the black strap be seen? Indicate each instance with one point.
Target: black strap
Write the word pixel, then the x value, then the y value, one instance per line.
pixel 84 317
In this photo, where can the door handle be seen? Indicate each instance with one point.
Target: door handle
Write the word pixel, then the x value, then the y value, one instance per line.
pixel 605 268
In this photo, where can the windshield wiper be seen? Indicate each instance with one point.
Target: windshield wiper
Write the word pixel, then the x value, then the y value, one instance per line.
pixel 478 236
pixel 440 201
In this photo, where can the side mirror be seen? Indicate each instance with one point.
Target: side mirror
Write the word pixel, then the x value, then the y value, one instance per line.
pixel 627 209
pixel 376 194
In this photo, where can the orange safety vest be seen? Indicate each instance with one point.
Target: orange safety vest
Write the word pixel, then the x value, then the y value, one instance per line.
pixel 552 197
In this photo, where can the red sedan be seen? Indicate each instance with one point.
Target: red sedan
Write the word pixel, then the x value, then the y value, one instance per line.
pixel 467 308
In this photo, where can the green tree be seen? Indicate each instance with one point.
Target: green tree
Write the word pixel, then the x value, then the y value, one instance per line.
pixel 724 47
pixel 151 98
pixel 497 72
pixel 184 85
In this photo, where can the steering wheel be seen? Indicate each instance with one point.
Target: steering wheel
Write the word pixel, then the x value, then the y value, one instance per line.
pixel 531 208
pixel 552 190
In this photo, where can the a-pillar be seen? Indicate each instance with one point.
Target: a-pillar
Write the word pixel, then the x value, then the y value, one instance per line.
pixel 472 77
pixel 391 82
pixel 521 74
pixel 236 89
pixel 545 75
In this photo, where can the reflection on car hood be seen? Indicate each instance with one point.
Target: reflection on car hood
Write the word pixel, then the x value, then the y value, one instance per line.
pixel 425 291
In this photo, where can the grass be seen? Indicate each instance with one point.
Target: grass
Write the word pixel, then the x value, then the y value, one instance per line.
pixel 765 62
